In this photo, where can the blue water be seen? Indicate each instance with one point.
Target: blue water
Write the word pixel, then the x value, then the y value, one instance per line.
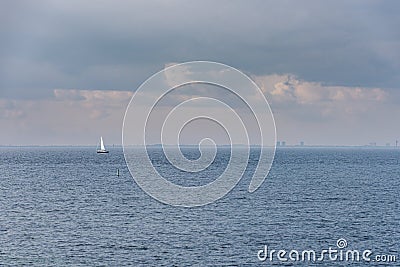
pixel 67 207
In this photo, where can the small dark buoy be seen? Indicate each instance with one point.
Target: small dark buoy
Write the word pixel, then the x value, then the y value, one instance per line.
pixel 117 172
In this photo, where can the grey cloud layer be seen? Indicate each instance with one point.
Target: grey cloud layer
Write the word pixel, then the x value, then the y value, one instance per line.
pixel 118 44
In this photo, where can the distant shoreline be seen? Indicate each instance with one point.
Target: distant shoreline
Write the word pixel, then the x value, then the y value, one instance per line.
pixel 195 146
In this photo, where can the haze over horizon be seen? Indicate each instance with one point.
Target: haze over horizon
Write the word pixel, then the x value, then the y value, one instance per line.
pixel 329 69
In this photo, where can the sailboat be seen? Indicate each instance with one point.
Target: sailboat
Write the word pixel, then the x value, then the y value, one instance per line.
pixel 102 148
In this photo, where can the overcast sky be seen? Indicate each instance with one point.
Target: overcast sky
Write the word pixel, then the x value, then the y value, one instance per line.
pixel 330 69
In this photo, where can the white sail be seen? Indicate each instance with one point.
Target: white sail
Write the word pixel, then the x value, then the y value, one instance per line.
pixel 102 143
pixel 102 148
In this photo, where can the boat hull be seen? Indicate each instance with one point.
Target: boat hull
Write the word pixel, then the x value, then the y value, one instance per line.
pixel 102 151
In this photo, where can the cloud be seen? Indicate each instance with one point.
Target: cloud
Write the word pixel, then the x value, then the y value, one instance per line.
pixel 9 110
pixel 303 110
pixel 118 45
pixel 72 95
pixel 96 103
pixel 324 114
pixel 342 59
pixel 71 117
pixel 289 88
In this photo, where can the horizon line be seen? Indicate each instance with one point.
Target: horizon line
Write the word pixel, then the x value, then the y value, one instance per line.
pixel 196 145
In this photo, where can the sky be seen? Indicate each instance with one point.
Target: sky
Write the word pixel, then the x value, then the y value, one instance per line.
pixel 329 69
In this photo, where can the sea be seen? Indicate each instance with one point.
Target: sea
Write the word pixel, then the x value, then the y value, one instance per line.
pixel 67 206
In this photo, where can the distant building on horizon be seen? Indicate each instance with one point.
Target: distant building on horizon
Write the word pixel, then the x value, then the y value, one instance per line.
pixel 278 143
pixel 302 143
pixel 283 143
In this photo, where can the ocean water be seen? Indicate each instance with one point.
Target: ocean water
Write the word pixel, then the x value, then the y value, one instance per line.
pixel 67 207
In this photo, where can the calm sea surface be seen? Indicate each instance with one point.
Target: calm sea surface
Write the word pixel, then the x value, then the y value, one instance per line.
pixel 67 207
